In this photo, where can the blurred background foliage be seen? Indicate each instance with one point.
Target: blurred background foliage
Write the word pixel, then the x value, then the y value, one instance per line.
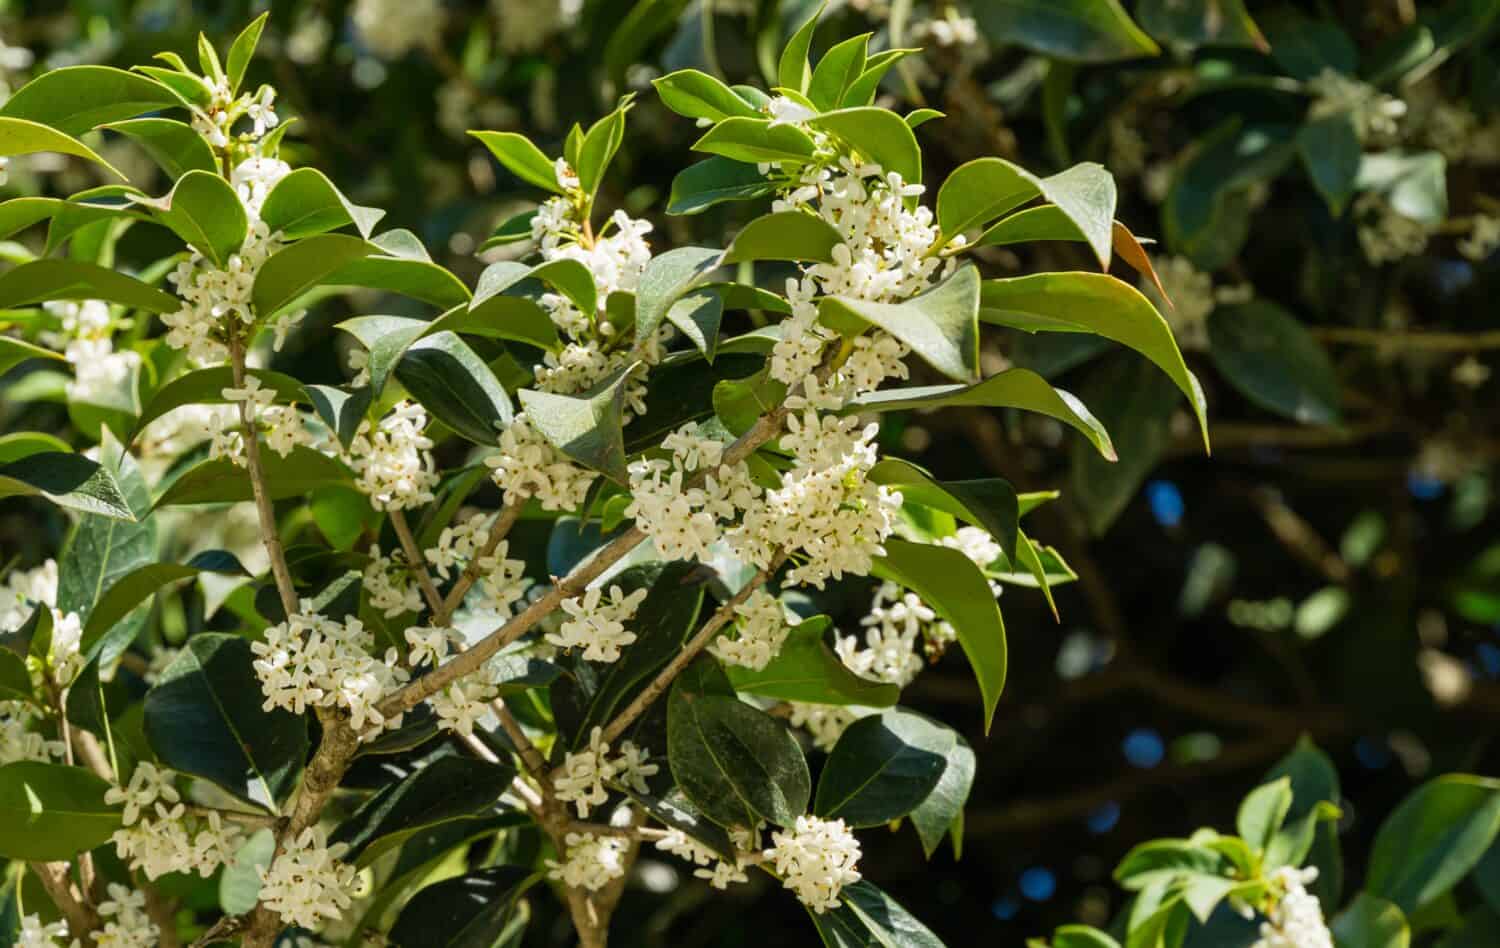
pixel 1321 181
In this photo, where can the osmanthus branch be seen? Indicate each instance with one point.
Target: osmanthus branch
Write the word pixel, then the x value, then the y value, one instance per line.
pixel 269 534
pixel 700 640
pixel 574 584
pixel 499 530
pixel 418 566
pixel 81 917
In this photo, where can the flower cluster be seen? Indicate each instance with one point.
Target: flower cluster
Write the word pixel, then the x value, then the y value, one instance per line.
pixel 160 835
pixel 1189 299
pixel 684 521
pixel 22 590
pixel 307 884
pixel 216 121
pixel 1376 116
pixel 390 586
pixel 597 624
pixel 312 661
pixel 760 630
pixel 217 301
pixel 34 934
pixel 528 466
pixel 816 859
pixel 502 581
pixel 1296 921
pixel 1385 234
pixel 392 27
pixel 126 924
pixel 85 337
pixel 718 872
pixel 18 739
pixel 581 778
pixel 590 861
pixel 391 459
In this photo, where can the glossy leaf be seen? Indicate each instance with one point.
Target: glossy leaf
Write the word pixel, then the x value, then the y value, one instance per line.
pixel 715 180
pixel 68 480
pixel 982 190
pixel 173 145
pixel 883 767
pixel 124 593
pixel 450 380
pixel 941 812
pixel 42 280
pixel 738 764
pixel 385 338
pixel 1265 353
pixel 954 588
pixel 880 135
pixel 206 213
pixel 74 99
pixel 20 137
pixel 990 503
pixel 697 95
pixel 294 270
pixel 793 70
pixel 204 718
pixel 467 911
pixel 940 325
pixel 521 158
pixel 1083 30
pixel 206 387
pixel 665 279
pixel 52 812
pixel 587 427
pixel 305 203
pixel 869 918
pixel 786 235
pixel 1432 840
pixel 224 482
pixel 400 264
pixel 448 788
pixel 807 670
pixel 753 140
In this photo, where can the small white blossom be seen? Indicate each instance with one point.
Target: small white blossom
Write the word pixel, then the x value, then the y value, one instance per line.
pixel 596 624
pixel 816 859
pixel 307 884
pixel 392 460
pixel 760 631
pixel 126 923
pixel 312 661
pixel 1296 921
pixel 590 861
pixel 147 785
pixel 581 777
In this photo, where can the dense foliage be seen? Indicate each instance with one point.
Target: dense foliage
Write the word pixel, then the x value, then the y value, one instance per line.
pixel 379 558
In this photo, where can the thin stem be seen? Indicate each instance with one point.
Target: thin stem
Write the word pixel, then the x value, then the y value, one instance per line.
pixel 269 534
pixel 605 829
pixel 82 919
pixel 418 565
pixel 164 913
pixel 506 519
pixel 468 662
pixel 1407 339
pixel 722 617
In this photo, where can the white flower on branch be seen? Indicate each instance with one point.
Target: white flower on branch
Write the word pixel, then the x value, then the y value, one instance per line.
pixel 34 934
pixel 589 861
pixel 816 859
pixel 760 631
pixel 147 785
pixel 307 883
pixel 312 661
pixel 597 625
pixel 528 466
pixel 390 586
pixel 392 460
pixel 126 924
pixel 1296 921
pixel 581 777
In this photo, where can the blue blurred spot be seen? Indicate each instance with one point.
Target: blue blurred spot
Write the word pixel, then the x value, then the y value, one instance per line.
pixel 1038 884
pixel 1372 753
pixel 1423 487
pixel 1453 276
pixel 1104 818
pixel 1144 748
pixel 1166 502
pixel 1489 659
pixel 1005 907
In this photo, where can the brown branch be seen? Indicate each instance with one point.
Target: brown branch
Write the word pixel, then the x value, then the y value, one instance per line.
pixel 1407 340
pixel 164 913
pixel 80 915
pixel 722 617
pixel 417 563
pixel 499 530
pixel 269 534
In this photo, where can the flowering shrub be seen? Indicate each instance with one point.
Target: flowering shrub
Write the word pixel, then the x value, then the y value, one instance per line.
pixel 545 576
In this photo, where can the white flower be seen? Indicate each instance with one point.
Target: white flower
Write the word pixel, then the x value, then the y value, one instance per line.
pixel 392 27
pixel 1376 115
pixel 1297 919
pixel 307 884
pixel 312 661
pixel 784 111
pixel 126 924
pixel 34 934
pixel 17 739
pixel 762 628
pixel 254 177
pixel 390 586
pixel 633 766
pixel 22 589
pixel 590 861
pixel 147 785
pixel 825 723
pixel 169 839
pixel 816 859
pixel 707 863
pixel 463 704
pixel 597 625
pixel 217 301
pixel 392 460
pixel 528 466
pixel 581 777
pixel 896 620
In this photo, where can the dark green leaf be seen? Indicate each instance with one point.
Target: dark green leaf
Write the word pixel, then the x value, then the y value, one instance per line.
pixel 204 718
pixel 1263 351
pixel 294 270
pixel 341 410
pixel 1193 23
pixel 224 482
pixel 698 315
pixel 739 765
pixel 990 504
pixel 173 145
pixel 883 767
pixel 1433 839
pixel 124 592
pixel 712 181
pixel 74 99
pixel 807 670
pixel 206 387
pixel 871 919
pixel 452 382
pixel 1083 30
pixel 15 680
pixel 206 213
pixel 587 428
pixel 940 325
pixel 665 279
pixel 386 339
pixel 941 813
pixel 68 480
pixel 469 911
pixel 1331 153
pixel 449 788
pixel 42 280
pixel 1370 922
pixel 400 264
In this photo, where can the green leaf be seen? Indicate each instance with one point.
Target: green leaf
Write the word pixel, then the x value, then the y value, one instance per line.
pixel 400 264
pixel 880 135
pixel 1304 46
pixel 1081 936
pixel 124 592
pixel 862 90
pixel 20 137
pixel 665 279
pixel 698 315
pixel 982 190
pixel 785 235
pixel 15 680
pixel 588 427
pixel 1137 404
pixel 239 884
pixel 1432 840
pixel 840 66
pixel 990 503
pixel 206 387
pixel 1331 152
pixel 1206 216
pixel 305 203
pixel 755 140
pixel 1263 812
pixel 294 270
pixel 712 181
pixel 205 212
pixel 941 813
pixel 1081 30
pixel 1308 834
pixel 807 670
pixel 883 767
pixel 173 145
pixel 598 148
pixel 869 918
pixel 224 482
pixel 204 718
pixel 697 95
pixel 473 910
pixel 20 213
pixel 1193 23
pixel 1095 303
pixel 793 71
pixel 43 280
pixel 957 591
pixel 1013 388
pixel 512 230
pixel 385 338
pixel 455 384
pixel 15 351
pixel 52 812
pixel 242 50
pixel 68 480
pixel 940 325
pixel 1370 922
pixel 341 410
pixel 448 788
pixel 1086 194
pixel 74 99
pixel 738 764
pixel 521 158
pixel 1265 353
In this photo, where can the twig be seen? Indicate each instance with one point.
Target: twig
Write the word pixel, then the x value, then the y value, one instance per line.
pixel 684 658
pixel 499 530
pixel 164 914
pixel 418 565
pixel 605 829
pixel 269 534
pixel 1409 339
pixel 82 919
